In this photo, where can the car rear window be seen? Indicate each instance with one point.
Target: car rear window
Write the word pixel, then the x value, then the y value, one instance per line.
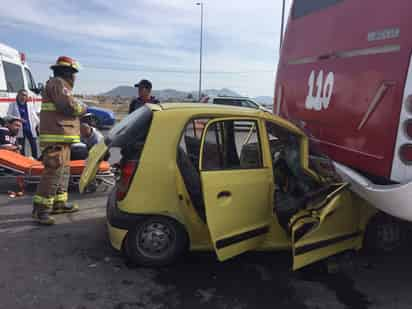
pixel 14 76
pixel 306 7
pixel 232 102
pixel 132 129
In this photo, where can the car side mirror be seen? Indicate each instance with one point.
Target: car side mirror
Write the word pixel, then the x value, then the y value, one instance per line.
pixel 39 88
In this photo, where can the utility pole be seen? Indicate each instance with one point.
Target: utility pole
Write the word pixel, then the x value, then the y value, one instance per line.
pixel 201 49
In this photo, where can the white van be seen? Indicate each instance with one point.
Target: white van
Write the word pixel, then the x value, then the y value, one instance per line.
pixel 15 74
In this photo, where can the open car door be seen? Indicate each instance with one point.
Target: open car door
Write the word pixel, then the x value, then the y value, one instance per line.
pixel 237 187
pixel 96 154
pixel 130 133
pixel 329 225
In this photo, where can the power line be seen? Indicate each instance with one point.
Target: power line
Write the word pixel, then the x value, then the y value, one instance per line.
pixel 152 70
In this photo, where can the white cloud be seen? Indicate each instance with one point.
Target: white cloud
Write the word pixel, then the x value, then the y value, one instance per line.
pixel 152 35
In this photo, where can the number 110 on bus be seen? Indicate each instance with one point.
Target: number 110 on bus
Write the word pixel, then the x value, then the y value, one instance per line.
pixel 324 90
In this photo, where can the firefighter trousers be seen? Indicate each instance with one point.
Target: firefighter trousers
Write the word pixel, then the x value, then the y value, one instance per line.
pixel 54 181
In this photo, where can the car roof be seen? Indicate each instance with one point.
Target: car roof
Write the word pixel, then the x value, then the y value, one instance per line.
pixel 194 109
pixel 102 109
pixel 210 108
pixel 231 97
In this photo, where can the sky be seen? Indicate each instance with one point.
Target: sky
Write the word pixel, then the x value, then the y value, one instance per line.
pixel 120 42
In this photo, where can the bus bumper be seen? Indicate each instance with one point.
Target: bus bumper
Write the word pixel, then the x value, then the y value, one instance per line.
pixel 394 199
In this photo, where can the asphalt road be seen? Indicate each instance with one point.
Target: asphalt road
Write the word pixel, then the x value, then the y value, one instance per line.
pixel 71 265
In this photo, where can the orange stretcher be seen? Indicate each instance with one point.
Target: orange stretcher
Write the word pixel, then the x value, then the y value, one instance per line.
pixel 15 164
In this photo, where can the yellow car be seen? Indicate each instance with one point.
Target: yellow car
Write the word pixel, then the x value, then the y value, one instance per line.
pixel 222 178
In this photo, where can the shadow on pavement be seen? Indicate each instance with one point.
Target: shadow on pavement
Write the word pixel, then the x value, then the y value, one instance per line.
pixel 71 265
pixel 256 280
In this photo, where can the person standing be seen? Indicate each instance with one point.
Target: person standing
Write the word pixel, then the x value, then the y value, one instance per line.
pixel 59 128
pixel 27 113
pixel 144 95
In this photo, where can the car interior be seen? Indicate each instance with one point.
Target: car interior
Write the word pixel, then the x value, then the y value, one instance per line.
pixel 294 188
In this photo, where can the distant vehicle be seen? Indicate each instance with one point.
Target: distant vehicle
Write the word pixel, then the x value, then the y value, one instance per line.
pixel 239 101
pixel 222 189
pixel 15 74
pixel 345 76
pixel 104 117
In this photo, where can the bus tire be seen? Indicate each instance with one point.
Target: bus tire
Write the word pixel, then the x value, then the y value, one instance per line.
pixel 384 234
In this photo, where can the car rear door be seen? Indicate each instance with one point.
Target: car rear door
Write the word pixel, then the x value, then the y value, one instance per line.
pixel 132 130
pixel 237 186
pixel 329 225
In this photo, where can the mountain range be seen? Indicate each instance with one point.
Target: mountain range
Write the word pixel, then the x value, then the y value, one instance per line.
pixel 172 94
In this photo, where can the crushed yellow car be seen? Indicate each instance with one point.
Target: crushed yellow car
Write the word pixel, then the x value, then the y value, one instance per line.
pixel 228 179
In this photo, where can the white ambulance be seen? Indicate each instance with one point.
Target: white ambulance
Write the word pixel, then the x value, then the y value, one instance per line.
pixel 15 74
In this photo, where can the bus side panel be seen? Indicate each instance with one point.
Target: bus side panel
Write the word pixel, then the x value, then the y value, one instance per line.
pixel 345 129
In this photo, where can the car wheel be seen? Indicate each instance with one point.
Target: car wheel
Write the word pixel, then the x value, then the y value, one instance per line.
pixel 384 234
pixel 156 241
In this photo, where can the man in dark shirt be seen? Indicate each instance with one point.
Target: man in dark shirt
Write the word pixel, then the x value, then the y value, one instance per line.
pixel 144 96
pixel 8 134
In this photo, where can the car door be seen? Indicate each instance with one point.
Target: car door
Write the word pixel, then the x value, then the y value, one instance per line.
pixel 237 186
pixel 329 225
pixel 132 130
pixel 96 154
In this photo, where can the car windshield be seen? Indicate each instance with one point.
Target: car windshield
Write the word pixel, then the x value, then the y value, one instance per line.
pixel 132 129
pixel 280 138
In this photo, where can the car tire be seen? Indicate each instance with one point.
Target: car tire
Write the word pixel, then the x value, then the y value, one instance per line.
pixel 156 241
pixel 384 234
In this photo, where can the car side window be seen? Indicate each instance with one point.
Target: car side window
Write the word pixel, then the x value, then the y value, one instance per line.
pixel 191 139
pixel 232 144
pixel 247 103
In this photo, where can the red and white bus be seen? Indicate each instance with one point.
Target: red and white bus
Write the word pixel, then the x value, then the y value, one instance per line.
pixel 15 74
pixel 345 75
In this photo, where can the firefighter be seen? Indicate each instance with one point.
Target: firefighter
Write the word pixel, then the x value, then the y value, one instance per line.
pixel 59 128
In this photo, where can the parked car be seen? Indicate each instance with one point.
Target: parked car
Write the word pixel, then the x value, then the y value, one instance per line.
pixel 104 117
pixel 184 186
pixel 239 101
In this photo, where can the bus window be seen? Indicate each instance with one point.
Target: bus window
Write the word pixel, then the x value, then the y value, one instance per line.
pixel 14 76
pixel 306 7
pixel 30 81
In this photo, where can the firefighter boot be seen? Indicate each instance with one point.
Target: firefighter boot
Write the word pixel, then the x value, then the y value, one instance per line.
pixel 63 207
pixel 41 214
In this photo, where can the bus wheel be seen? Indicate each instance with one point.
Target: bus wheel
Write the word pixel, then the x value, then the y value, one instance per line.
pixel 384 234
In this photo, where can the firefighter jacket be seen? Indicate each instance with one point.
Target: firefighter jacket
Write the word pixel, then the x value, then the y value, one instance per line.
pixel 60 111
